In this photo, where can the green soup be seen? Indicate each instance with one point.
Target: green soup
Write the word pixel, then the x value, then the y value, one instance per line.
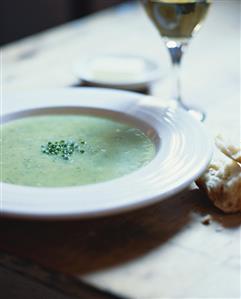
pixel 106 150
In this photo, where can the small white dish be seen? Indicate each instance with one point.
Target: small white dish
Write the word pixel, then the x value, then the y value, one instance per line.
pixel 183 151
pixel 118 71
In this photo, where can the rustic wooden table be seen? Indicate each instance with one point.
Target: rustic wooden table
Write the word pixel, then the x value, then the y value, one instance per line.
pixel 162 251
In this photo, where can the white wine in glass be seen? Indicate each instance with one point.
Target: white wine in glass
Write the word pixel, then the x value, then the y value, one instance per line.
pixel 177 21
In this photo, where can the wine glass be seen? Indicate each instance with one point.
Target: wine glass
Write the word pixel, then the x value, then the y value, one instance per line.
pixel 177 21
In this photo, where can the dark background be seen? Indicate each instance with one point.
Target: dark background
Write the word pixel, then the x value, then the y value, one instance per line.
pixel 20 18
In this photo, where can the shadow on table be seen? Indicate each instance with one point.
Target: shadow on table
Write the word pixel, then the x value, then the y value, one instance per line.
pixel 78 247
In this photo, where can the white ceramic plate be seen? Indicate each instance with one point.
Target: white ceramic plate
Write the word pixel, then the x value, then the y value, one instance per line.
pixel 183 152
pixel 150 73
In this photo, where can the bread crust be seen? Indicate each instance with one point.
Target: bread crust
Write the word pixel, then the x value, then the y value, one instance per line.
pixel 228 149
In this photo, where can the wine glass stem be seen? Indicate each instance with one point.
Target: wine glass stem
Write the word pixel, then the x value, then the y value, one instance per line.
pixel 176 52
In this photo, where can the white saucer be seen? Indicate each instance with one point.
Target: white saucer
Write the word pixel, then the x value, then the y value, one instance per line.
pixel 149 73
pixel 183 152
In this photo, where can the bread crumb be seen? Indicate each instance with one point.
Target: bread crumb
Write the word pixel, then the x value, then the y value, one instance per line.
pixel 207 219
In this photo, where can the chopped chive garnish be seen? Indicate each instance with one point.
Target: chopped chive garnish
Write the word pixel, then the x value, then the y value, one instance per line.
pixel 63 148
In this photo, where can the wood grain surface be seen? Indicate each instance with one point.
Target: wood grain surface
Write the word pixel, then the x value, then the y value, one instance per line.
pixel 161 251
pixel 31 280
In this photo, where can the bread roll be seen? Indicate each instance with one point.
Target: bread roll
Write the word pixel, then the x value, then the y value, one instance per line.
pixel 222 179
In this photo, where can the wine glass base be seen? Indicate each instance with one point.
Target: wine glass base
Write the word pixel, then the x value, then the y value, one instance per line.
pixel 199 115
pixel 196 113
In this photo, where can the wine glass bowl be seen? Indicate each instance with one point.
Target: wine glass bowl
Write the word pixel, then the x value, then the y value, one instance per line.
pixel 177 21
